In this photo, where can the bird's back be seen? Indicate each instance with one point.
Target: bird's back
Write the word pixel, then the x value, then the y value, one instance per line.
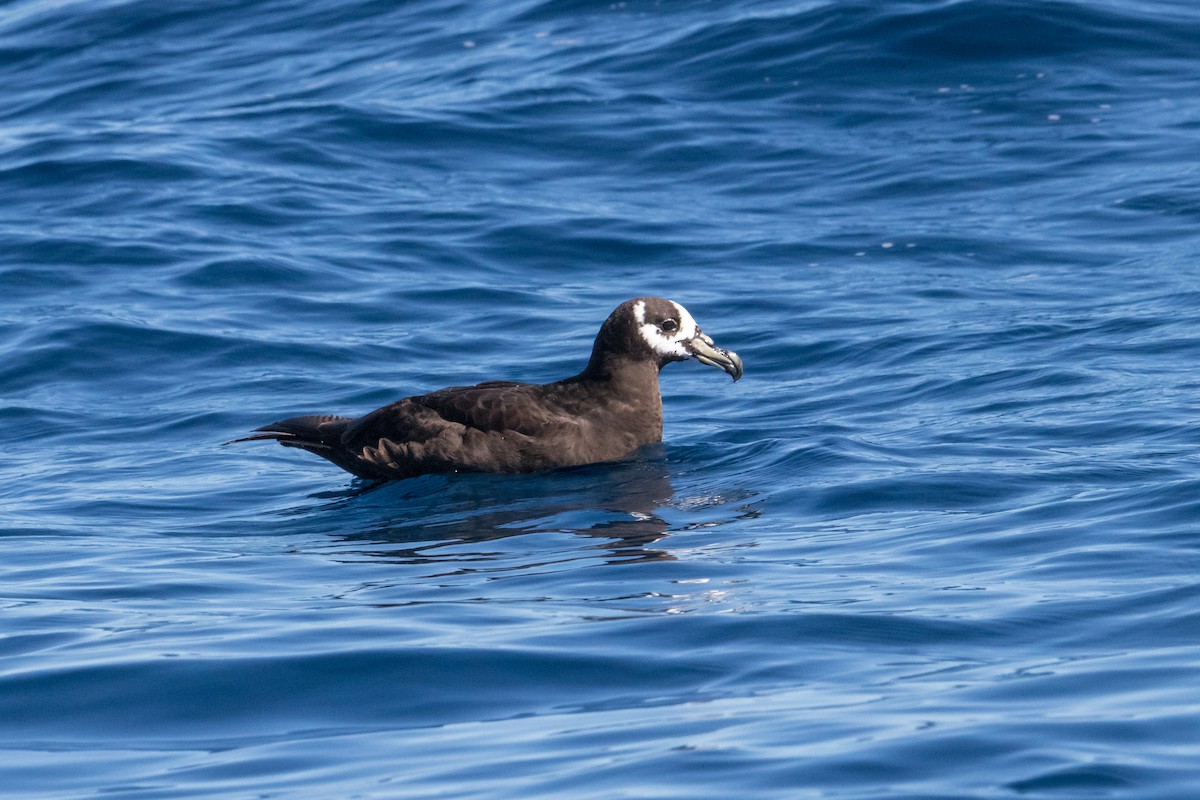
pixel 491 427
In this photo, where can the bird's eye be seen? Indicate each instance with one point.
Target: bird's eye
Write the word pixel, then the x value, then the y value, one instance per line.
pixel 668 326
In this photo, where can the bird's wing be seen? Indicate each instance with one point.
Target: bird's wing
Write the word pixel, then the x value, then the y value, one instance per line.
pixel 490 427
pixel 496 406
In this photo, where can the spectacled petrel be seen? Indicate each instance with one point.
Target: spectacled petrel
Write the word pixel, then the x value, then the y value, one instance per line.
pixel 602 414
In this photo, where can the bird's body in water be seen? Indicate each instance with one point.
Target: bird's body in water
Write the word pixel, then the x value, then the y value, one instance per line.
pixel 604 413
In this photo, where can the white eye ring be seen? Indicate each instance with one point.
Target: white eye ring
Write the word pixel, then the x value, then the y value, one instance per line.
pixel 664 344
pixel 668 326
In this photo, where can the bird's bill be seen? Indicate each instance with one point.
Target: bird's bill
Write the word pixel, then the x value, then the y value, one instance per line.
pixel 703 350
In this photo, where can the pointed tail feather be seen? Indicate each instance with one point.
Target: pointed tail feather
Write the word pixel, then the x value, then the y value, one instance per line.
pixel 320 435
pixel 316 433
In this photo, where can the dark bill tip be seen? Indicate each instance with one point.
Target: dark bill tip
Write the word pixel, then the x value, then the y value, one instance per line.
pixel 703 350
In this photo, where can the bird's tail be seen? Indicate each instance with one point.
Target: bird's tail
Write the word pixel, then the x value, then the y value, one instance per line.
pixel 320 433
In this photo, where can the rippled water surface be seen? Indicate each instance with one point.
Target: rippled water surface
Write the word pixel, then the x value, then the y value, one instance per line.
pixel 940 542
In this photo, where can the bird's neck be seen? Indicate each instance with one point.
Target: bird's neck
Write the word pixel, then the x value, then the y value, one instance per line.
pixel 621 398
pixel 622 375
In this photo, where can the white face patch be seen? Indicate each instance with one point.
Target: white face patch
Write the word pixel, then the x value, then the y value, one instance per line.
pixel 671 345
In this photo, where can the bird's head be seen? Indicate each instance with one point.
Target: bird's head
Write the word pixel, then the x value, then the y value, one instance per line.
pixel 662 331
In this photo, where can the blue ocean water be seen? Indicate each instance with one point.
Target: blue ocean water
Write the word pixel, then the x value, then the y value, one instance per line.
pixel 940 542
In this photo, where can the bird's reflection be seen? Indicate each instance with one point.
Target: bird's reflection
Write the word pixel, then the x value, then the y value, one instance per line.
pixel 410 521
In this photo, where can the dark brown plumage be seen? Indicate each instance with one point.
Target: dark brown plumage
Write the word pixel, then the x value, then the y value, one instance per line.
pixel 604 413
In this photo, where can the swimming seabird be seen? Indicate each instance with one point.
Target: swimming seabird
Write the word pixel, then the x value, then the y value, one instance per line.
pixel 604 413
